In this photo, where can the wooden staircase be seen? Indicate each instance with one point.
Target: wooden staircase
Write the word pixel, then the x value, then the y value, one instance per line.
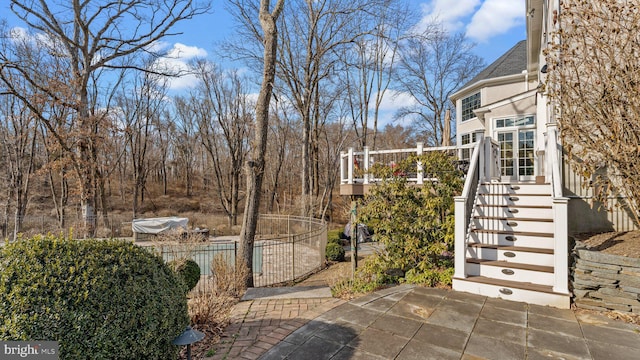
pixel 510 245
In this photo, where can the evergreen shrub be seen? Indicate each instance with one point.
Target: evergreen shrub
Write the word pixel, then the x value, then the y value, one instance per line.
pixel 334 236
pixel 334 252
pixel 99 299
pixel 189 272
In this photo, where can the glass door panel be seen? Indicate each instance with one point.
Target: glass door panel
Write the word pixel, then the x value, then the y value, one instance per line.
pixel 506 141
pixel 517 154
pixel 526 153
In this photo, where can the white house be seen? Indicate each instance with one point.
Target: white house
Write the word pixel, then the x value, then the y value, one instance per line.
pixel 521 201
pixel 514 225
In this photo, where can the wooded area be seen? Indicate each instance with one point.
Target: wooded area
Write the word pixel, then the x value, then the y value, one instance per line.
pixel 89 127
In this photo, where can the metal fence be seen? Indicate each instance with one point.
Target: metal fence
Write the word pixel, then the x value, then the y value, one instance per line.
pixel 286 248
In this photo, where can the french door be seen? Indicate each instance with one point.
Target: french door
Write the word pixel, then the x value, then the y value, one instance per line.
pixel 517 154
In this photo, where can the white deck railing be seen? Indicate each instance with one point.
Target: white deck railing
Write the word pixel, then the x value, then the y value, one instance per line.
pixel 464 208
pixel 355 165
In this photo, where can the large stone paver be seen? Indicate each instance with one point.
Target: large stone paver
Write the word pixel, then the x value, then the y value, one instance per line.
pixel 407 322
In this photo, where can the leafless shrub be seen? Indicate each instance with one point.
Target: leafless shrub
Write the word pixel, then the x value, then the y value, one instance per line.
pixel 594 76
pixel 225 286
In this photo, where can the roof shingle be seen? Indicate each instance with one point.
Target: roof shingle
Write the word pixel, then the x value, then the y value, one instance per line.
pixel 513 62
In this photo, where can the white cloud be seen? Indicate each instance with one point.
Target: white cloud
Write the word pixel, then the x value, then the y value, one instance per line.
pixel 449 14
pixel 176 61
pixel 495 17
pixel 394 100
pixel 481 19
pixel 158 46
pixel 391 102
pixel 19 34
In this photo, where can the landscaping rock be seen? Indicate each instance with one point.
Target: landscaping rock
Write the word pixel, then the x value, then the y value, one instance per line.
pixel 603 258
pixel 590 265
pixel 605 282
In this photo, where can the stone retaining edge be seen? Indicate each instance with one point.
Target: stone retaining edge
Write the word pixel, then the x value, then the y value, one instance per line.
pixel 605 281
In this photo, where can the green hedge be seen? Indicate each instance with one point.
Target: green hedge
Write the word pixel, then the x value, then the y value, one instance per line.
pixel 98 299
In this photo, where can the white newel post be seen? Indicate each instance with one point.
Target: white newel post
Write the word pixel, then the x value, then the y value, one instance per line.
pixel 350 166
pixel 485 156
pixel 483 160
pixel 420 175
pixel 460 245
pixel 561 245
pixel 548 163
pixel 365 176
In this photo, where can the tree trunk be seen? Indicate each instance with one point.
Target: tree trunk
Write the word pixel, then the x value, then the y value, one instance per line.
pixel 254 165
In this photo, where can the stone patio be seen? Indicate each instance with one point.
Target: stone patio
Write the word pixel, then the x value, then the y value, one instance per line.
pixel 407 322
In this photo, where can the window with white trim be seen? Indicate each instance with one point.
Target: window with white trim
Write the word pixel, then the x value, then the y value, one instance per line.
pixel 515 121
pixel 466 139
pixel 469 104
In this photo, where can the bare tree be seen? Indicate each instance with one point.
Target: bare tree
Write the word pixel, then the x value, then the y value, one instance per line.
pixel 222 109
pixel 593 77
pixel 254 165
pixel 369 64
pixel 313 33
pixel 185 138
pixel 432 66
pixel 333 143
pixel 279 150
pixel 79 42
pixel 18 143
pixel 141 112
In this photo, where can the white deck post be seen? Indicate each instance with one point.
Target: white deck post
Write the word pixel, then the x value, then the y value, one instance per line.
pixel 561 245
pixel 350 166
pixel 485 155
pixel 366 165
pixel 460 245
pixel 420 174
pixel 548 162
pixel 343 168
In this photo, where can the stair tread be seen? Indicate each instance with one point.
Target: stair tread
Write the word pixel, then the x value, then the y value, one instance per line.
pixel 507 232
pixel 512 183
pixel 512 194
pixel 519 206
pixel 511 284
pixel 512 218
pixel 512 265
pixel 513 248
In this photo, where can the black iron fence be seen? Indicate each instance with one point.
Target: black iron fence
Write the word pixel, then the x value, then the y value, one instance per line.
pixel 286 248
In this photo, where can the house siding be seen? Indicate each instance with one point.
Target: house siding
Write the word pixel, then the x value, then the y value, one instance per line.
pixel 500 92
pixel 585 216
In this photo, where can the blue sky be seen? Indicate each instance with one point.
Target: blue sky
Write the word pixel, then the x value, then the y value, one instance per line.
pixel 494 25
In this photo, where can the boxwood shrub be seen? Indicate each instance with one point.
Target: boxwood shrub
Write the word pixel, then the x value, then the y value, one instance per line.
pixel 189 272
pixel 334 252
pixel 98 299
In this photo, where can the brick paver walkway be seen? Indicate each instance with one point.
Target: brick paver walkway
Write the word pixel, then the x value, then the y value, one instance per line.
pixel 257 325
